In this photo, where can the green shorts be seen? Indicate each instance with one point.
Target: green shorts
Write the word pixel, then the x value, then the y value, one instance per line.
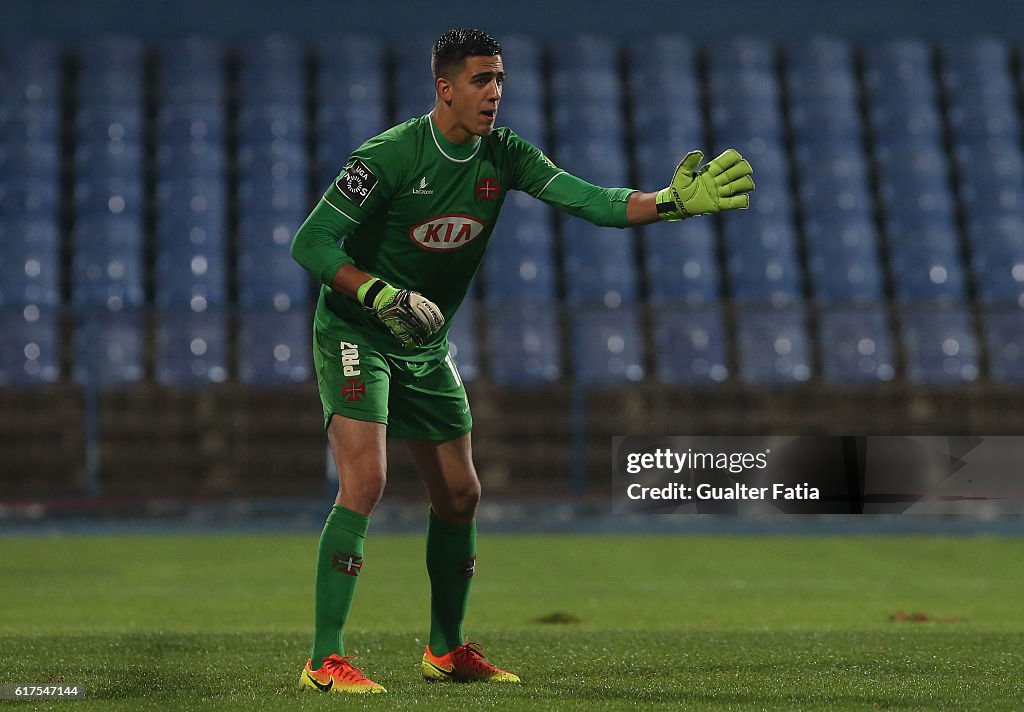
pixel 421 399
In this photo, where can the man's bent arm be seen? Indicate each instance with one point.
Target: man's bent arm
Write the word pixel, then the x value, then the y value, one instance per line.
pixel 316 248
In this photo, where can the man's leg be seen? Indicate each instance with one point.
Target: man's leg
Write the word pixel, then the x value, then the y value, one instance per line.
pixel 451 480
pixel 360 454
pixel 454 489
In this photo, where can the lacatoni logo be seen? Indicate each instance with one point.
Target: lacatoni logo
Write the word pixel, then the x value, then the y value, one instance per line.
pixel 446 232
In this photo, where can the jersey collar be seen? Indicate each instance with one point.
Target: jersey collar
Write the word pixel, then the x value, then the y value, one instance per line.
pixel 457 153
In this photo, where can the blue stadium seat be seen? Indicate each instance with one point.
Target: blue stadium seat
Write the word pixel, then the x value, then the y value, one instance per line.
pixel 197 197
pixel 193 72
pixel 274 347
pixel 590 86
pixel 663 71
pixel 30 198
pixel 191 349
pixel 842 260
pixel 979 88
pixel 272 71
pixel 29 262
pixel 341 129
pixel 521 261
pixel 412 69
pixel 608 346
pixel 939 344
pixel 525 120
pixel 31 159
pixel 999 274
pixel 600 162
pixel 762 259
pixel 856 346
pixel 268 276
pixel 30 74
pixel 926 265
pixel 107 268
pixel 110 72
pixel 524 344
pixel 680 262
pixel 190 269
pixel 29 346
pixel 462 342
pixel 32 123
pixel 1004 335
pixel 599 264
pixel 773 345
pixel 689 344
pixel 108 348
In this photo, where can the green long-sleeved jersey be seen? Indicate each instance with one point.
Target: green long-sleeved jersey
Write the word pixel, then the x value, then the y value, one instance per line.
pixel 418 211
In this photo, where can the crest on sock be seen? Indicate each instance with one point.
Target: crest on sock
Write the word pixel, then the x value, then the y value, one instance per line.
pixel 347 563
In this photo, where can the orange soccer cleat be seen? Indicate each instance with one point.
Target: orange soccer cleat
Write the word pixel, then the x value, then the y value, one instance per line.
pixel 465 663
pixel 337 674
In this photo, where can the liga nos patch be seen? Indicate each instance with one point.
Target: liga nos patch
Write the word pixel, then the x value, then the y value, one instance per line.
pixel 356 182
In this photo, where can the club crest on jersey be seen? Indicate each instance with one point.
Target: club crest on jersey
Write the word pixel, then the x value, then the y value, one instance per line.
pixel 446 232
pixel 488 189
pixel 356 182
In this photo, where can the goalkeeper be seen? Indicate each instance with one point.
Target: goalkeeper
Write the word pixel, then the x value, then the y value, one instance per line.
pixel 415 208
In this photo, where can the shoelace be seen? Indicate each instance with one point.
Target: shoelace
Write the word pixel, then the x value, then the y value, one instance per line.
pixel 474 655
pixel 344 668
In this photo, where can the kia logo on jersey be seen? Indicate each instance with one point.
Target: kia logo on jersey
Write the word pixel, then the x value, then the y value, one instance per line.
pixel 446 232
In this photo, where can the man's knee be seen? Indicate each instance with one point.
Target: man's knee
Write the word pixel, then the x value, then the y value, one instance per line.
pixel 361 490
pixel 461 503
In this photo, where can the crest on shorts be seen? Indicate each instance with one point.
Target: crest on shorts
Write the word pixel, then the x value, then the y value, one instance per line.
pixel 354 390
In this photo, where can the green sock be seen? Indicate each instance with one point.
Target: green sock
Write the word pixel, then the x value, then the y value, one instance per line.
pixel 339 561
pixel 451 563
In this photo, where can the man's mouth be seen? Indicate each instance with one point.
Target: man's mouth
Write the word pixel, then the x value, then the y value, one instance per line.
pixel 489 114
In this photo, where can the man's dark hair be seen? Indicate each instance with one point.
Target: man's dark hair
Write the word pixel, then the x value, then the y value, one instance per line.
pixel 452 48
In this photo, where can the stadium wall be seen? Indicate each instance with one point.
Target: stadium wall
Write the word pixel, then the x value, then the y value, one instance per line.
pixel 154 20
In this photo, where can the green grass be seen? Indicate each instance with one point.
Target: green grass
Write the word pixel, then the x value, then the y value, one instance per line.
pixel 224 622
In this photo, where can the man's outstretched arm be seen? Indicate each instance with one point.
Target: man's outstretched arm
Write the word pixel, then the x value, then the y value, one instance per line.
pixel 722 184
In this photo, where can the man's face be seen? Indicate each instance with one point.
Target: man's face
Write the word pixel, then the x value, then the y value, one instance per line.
pixel 474 94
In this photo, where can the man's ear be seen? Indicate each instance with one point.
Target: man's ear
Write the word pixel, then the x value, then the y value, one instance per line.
pixel 444 90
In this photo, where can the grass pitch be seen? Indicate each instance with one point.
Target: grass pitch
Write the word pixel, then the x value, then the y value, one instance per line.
pixel 201 622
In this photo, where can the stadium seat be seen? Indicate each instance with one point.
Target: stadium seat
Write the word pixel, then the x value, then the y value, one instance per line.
pixel 29 346
pixel 979 88
pixel 412 73
pixel 520 263
pixel 1004 335
pixel 856 346
pixel 107 266
pixel 192 72
pixel 939 344
pixel 689 344
pixel 608 346
pixel 271 71
pixel 108 347
pixel 762 259
pixel 30 73
pixel 191 349
pixel 32 159
pixel 110 73
pixel 29 262
pixel 274 347
pixel 524 345
pixel 599 264
pixel 773 345
pixel 680 262
pixel 462 342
